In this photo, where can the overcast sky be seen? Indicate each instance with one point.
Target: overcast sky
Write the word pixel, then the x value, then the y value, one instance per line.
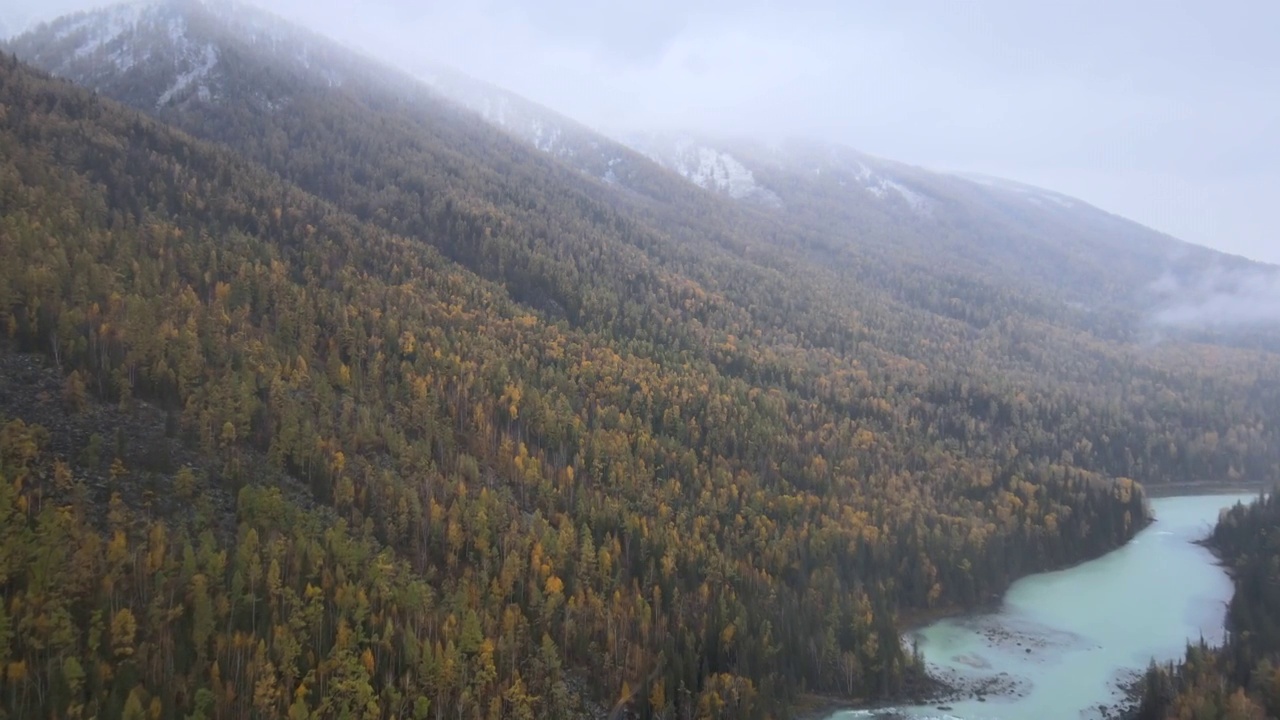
pixel 1165 112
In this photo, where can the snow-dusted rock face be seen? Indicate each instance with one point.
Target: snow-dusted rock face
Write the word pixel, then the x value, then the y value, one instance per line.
pixel 200 69
pixel 75 42
pixel 591 152
pixel 714 170
pixel 705 166
pixel 169 50
pixel 859 176
pixel 577 146
pixel 879 185
pixel 537 126
pixel 738 172
pixel 587 150
pixel 98 47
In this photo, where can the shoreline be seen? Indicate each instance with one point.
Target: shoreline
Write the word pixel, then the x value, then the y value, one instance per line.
pixel 938 691
pixel 942 691
pixel 1201 488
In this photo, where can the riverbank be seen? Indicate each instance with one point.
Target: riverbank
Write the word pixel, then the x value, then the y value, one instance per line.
pixel 939 690
pixel 926 690
pixel 1182 489
pixel 1129 686
pixel 1072 637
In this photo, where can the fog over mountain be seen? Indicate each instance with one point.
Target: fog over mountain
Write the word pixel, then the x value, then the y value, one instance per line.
pixel 1221 297
pixel 1146 110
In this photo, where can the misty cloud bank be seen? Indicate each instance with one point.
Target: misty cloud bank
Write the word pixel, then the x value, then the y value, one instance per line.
pixel 1218 298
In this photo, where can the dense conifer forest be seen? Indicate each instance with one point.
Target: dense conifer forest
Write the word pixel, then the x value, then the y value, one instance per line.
pixel 309 418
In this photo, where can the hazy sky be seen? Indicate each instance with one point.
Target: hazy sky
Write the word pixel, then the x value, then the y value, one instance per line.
pixel 1165 112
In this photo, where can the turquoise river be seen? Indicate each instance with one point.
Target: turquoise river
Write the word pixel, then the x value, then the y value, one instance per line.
pixel 1063 643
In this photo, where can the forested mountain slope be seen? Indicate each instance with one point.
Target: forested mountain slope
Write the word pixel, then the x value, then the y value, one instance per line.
pixel 1028 239
pixel 541 498
pixel 967 233
pixel 556 440
pixel 678 274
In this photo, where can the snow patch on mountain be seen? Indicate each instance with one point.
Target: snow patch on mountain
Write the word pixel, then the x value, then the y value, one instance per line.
pixel 105 41
pixel 880 186
pixel 609 175
pixel 714 170
pixel 913 198
pixel 705 166
pixel 197 73
pixel 186 37
pixel 99 31
pixel 523 120
pixel 545 137
pixel 123 59
pixel 702 165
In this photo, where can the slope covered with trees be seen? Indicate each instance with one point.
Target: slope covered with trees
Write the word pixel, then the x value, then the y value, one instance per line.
pixel 678 275
pixel 1001 242
pixel 448 504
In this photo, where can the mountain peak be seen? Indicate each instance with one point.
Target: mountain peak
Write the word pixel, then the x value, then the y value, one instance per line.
pixel 99 46
pixel 169 50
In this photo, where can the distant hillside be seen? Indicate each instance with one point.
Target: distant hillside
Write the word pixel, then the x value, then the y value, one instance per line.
pixel 845 210
pixel 1130 279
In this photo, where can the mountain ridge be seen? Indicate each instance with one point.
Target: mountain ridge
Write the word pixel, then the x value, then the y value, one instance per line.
pixel 719 168
pixel 1149 257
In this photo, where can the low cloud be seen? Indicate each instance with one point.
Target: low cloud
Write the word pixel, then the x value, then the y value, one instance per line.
pixel 1218 297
